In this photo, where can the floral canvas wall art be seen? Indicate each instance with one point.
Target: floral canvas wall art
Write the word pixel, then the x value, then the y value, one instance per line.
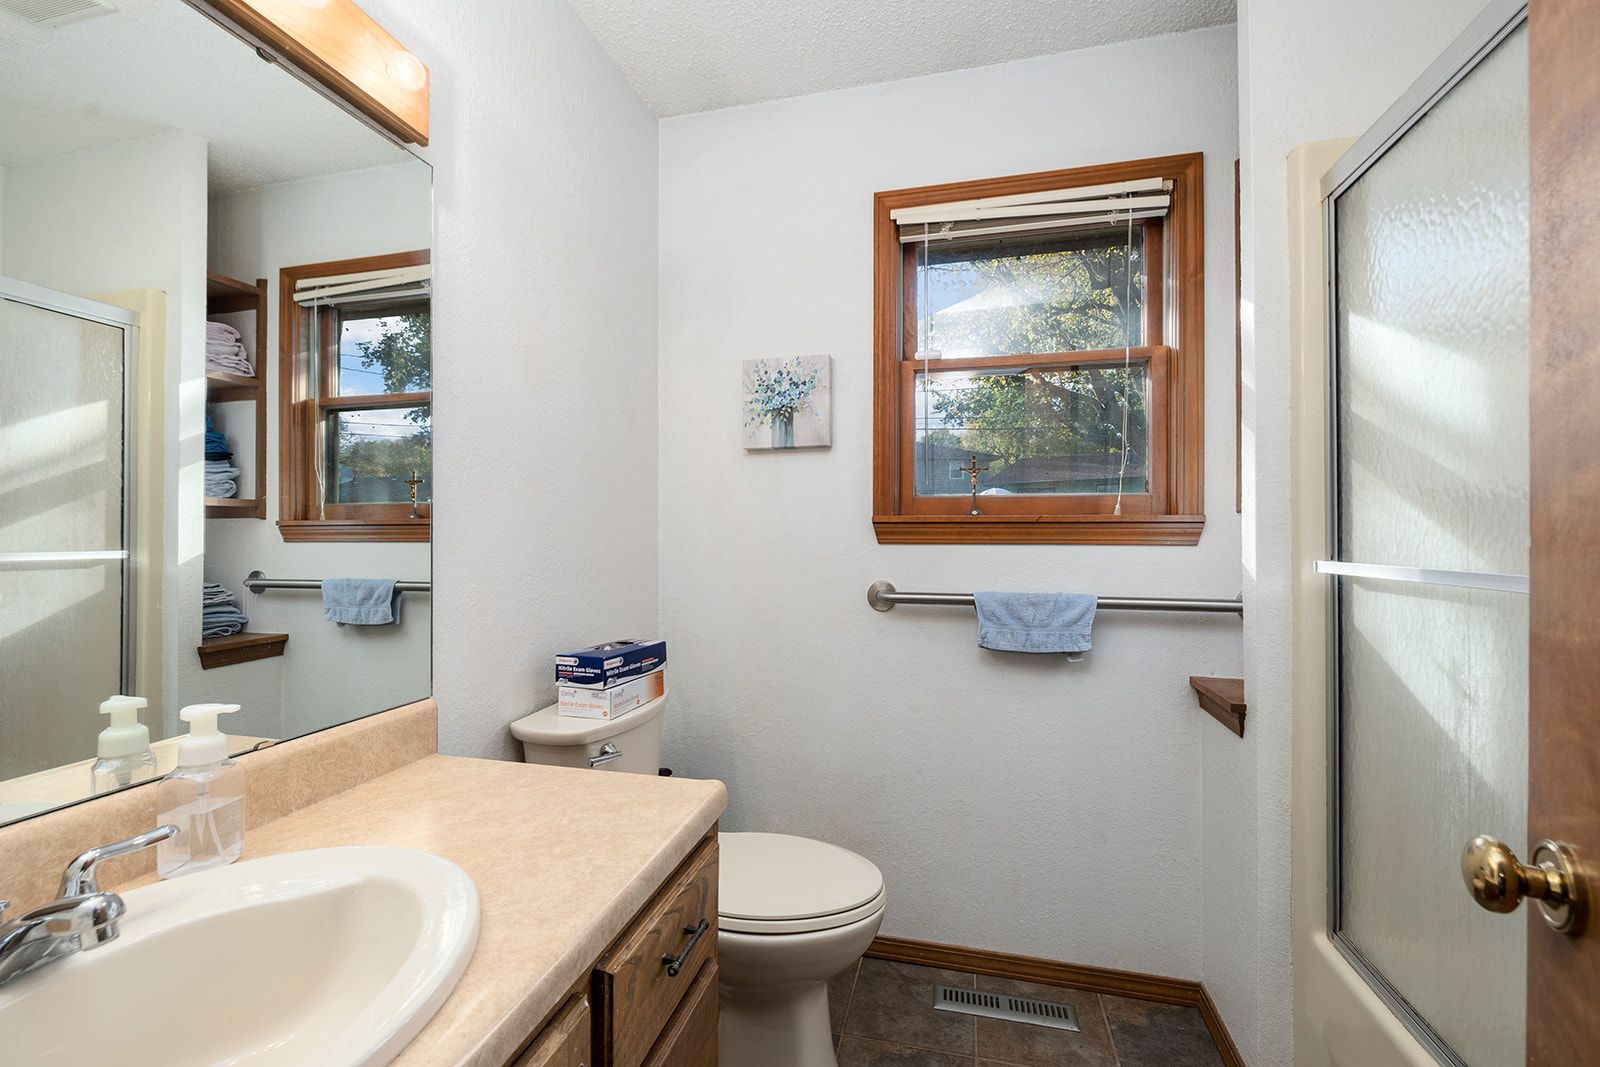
pixel 788 402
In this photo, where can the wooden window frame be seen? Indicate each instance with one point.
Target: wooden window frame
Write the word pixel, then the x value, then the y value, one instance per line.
pixel 302 515
pixel 1173 512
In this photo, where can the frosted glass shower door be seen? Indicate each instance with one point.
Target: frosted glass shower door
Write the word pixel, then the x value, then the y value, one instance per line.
pixel 65 589
pixel 1429 694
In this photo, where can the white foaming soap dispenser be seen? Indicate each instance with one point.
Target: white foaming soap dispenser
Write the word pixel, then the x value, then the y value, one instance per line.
pixel 203 797
pixel 123 749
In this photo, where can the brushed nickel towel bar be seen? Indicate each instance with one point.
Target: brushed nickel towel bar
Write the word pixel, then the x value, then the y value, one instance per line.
pixel 256 582
pixel 883 597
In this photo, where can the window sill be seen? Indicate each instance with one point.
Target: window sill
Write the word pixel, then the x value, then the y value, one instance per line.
pixel 301 530
pixel 1038 530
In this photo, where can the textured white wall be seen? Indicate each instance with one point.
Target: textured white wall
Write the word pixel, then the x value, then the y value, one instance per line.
pixel 545 353
pixel 327 673
pixel 1308 71
pixel 999 794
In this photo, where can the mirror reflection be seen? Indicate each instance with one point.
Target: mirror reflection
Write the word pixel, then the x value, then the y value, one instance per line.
pixel 216 403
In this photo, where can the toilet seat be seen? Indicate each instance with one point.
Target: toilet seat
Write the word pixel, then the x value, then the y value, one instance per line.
pixel 781 884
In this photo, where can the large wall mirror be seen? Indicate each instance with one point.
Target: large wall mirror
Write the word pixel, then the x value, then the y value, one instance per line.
pixel 215 397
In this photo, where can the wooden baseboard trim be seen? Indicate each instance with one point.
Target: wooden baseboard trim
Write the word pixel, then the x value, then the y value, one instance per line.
pixel 1219 1030
pixel 1069 975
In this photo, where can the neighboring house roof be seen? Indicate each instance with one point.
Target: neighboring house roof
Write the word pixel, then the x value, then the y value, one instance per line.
pixel 1033 470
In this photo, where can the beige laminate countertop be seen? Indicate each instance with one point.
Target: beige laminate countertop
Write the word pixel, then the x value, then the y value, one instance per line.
pixel 563 860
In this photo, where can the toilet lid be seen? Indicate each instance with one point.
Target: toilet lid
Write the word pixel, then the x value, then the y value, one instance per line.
pixel 792 882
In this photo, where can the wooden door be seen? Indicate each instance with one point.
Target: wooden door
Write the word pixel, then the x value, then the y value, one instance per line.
pixel 1564 398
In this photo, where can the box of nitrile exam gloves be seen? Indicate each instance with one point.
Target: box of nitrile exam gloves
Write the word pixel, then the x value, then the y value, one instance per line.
pixel 610 663
pixel 612 702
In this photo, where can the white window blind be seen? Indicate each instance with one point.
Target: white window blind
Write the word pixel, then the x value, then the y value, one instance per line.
pixel 1055 209
pixel 395 283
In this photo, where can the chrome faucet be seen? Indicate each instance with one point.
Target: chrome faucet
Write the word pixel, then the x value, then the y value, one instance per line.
pixel 82 918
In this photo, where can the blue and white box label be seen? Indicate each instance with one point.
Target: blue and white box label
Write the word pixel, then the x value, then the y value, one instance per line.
pixel 610 663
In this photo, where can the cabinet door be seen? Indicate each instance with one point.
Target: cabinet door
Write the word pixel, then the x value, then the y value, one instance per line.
pixel 565 1042
pixel 641 981
pixel 690 1039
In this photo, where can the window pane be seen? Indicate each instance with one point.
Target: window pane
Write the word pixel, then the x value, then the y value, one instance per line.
pixel 1037 430
pixel 371 453
pixel 1010 297
pixel 385 348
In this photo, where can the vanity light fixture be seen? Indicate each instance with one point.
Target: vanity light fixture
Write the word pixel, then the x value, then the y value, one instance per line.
pixel 406 70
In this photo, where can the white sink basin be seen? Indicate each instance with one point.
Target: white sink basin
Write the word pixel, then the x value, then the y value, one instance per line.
pixel 336 957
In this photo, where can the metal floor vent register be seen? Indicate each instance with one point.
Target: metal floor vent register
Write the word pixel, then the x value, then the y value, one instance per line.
pixel 1004 1006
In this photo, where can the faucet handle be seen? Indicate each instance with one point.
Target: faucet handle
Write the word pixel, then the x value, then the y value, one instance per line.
pixel 79 878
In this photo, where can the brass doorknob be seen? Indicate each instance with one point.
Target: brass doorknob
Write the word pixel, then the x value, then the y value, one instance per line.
pixel 1498 881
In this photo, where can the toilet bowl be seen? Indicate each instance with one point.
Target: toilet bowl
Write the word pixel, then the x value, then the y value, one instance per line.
pixel 793 913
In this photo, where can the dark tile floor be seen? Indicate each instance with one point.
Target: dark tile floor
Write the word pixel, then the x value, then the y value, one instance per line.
pixel 883 1016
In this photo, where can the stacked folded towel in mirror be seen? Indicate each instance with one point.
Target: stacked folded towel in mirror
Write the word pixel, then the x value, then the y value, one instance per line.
pixel 224 352
pixel 219 614
pixel 222 477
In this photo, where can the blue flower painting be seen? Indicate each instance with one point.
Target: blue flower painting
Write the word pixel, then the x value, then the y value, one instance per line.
pixel 788 402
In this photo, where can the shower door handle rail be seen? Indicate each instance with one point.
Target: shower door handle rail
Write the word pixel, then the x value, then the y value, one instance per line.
pixel 1504 583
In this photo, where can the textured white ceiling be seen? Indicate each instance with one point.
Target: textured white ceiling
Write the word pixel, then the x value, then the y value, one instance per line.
pixel 697 55
pixel 159 64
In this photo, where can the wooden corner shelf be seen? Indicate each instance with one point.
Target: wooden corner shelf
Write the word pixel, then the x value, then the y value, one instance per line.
pixel 225 507
pixel 1223 700
pixel 225 295
pixel 241 647
pixel 222 386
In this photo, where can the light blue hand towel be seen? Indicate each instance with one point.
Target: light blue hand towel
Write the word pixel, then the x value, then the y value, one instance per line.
pixel 361 601
pixel 1035 622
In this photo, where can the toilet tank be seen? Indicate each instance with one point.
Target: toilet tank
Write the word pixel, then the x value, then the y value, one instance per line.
pixel 563 741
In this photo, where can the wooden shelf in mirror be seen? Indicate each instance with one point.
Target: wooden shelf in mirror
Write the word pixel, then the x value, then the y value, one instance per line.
pixel 225 296
pixel 239 648
pixel 223 386
pixel 222 507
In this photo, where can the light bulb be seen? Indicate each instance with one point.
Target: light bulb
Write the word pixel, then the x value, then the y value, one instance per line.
pixel 406 70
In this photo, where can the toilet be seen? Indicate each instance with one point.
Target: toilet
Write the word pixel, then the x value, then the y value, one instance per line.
pixel 792 912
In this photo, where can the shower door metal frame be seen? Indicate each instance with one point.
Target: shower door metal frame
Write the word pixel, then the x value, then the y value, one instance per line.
pixel 1482 36
pixel 78 307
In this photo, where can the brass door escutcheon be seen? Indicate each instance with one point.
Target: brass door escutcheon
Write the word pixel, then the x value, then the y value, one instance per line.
pixel 1498 881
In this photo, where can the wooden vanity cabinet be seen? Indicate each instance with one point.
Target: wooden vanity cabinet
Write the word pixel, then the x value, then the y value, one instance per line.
pixel 565 1041
pixel 651 1000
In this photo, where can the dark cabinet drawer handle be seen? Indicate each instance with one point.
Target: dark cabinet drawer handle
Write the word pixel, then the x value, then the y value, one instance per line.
pixel 675 963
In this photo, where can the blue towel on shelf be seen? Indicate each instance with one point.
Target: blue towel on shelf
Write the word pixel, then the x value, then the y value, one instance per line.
pixel 220 620
pixel 361 601
pixel 1035 622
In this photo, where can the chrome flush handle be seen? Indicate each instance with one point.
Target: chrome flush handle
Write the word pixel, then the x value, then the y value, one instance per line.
pixel 607 753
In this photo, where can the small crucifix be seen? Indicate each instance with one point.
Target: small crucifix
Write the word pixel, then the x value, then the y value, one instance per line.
pixel 414 481
pixel 974 471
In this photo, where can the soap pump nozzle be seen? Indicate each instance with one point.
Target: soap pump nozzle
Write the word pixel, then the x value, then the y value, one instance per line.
pixel 205 744
pixel 126 735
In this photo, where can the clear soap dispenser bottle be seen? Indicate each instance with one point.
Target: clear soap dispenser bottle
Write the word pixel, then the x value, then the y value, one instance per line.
pixel 203 797
pixel 123 749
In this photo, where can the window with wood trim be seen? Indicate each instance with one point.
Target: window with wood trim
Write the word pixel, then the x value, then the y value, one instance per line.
pixel 1041 333
pixel 356 380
